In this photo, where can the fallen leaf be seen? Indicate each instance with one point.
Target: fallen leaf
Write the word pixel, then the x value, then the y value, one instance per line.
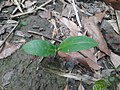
pixel 90 24
pixel 99 54
pixel 68 11
pixel 114 3
pixel 74 29
pixel 78 58
pixel 89 54
pixel 8 26
pixel 9 49
pixel 115 59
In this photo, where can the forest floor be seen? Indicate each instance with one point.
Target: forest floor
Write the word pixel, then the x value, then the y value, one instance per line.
pixel 56 20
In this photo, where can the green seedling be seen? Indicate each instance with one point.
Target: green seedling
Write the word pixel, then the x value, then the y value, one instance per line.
pixel 72 44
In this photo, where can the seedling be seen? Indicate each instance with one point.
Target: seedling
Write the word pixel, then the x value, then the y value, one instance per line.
pixel 72 44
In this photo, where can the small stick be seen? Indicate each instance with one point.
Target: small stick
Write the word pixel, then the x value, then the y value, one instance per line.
pixel 29 12
pixel 33 32
pixel 8 35
pixel 44 4
pixel 76 14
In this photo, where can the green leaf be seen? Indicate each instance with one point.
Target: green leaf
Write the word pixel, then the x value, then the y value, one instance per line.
pixel 39 48
pixel 100 85
pixel 77 43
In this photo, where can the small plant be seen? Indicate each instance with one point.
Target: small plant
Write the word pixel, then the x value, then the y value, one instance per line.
pixel 72 44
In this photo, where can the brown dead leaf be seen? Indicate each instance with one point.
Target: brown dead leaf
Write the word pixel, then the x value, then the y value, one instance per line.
pixel 8 26
pixel 9 49
pixel 99 55
pixel 90 24
pixel 89 55
pixel 115 59
pixel 78 58
pixel 68 11
pixel 114 3
pixel 74 29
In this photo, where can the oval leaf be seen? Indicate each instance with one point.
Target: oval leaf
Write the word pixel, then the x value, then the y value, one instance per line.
pixel 39 48
pixel 77 43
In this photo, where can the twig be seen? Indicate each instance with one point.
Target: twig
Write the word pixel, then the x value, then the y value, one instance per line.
pixel 33 32
pixel 8 35
pixel 85 78
pixel 44 4
pixel 76 14
pixel 29 12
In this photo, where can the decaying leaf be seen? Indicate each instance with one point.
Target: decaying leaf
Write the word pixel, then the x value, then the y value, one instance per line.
pixel 9 49
pixel 8 26
pixel 90 24
pixel 115 59
pixel 68 11
pixel 89 54
pixel 74 29
pixel 78 58
pixel 114 3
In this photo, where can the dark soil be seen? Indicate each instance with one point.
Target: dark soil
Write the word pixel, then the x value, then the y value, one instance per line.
pixel 24 72
pixel 21 71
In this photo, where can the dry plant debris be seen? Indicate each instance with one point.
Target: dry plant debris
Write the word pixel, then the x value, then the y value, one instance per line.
pixel 76 19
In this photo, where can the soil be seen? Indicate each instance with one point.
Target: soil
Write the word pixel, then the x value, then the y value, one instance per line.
pixel 24 72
